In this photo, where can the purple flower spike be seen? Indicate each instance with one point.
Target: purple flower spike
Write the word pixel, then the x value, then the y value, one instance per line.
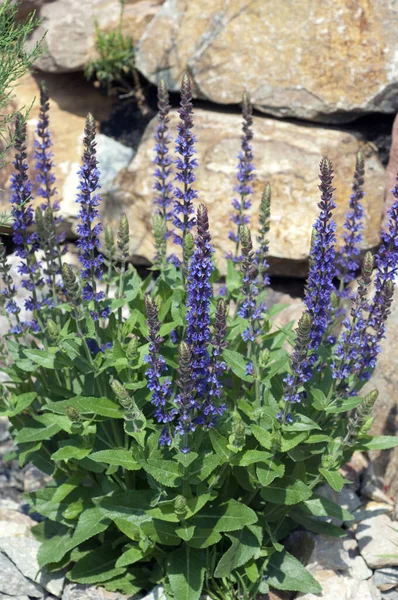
pixel 199 293
pixel 43 154
pixel 185 398
pixel 163 161
pixel 161 390
pixel 263 247
pixel 249 308
pixel 244 175
pixel 349 352
pixel 25 240
pixel 212 407
pixel 322 267
pixel 88 199
pixel 185 165
pixel 301 363
pixel 348 263
pixel 387 269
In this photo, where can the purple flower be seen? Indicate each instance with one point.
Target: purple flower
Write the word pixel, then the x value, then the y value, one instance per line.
pixel 43 155
pixel 162 159
pixel 185 399
pixel 212 407
pixel 301 362
pixel 348 263
pixel 387 268
pixel 249 308
pixel 199 293
pixel 24 239
pixel 322 267
pixel 244 175
pixel 185 165
pixel 88 199
pixel 349 355
pixel 160 387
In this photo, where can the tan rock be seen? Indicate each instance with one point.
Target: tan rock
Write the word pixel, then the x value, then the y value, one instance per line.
pixel 377 538
pixel 71 29
pixel 287 155
pixel 312 60
pixel 333 586
pixel 71 98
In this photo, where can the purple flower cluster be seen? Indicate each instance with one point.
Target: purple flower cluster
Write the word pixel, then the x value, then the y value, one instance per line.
pixel 349 351
pixel 199 293
pixel 244 175
pixel 249 308
pixel 89 199
pixel 185 165
pixel 301 362
pixel 217 367
pixel 161 389
pixel 348 259
pixel 162 159
pixel 322 267
pixel 387 269
pixel 25 240
pixel 43 154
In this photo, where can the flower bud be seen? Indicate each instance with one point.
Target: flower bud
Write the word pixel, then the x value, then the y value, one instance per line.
pixel 123 236
pixel 73 414
pixel 52 331
pixel 121 393
pixel 264 358
pixel 189 247
pixel 109 241
pixel 132 348
pixel 71 284
pixel 368 264
pixel 180 505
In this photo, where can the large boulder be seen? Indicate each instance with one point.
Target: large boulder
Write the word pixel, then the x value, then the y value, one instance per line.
pixel 285 154
pixel 71 29
pixel 314 60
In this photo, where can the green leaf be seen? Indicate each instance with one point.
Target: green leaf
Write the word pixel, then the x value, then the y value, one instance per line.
pixel 286 573
pixel 129 557
pixel 263 436
pixel 301 423
pixel 291 440
pixel 19 404
pixel 88 405
pixel 233 279
pixel 268 472
pixel 70 450
pixel 377 442
pixel 286 492
pixel 118 457
pixel 237 363
pixel 186 459
pixel 55 548
pixel 37 432
pixel 220 445
pixel 166 328
pixel 129 505
pixel 185 532
pixel 251 457
pixel 229 516
pixel 43 358
pixel 161 532
pixel 203 538
pixel 246 544
pixel 166 472
pixel 186 571
pixel 320 401
pixel 322 507
pixel 95 567
pixel 343 405
pixel 334 479
pixel 316 525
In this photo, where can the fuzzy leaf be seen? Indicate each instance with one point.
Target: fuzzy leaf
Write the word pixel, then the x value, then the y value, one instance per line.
pixel 229 516
pixel 95 567
pixel 203 538
pixel 118 457
pixel 166 472
pixel 88 405
pixel 286 492
pixel 263 436
pixel 286 573
pixel 322 507
pixel 377 442
pixel 269 471
pixel 246 544
pixel 334 479
pixel 343 405
pixel 237 363
pixel 131 556
pixel 186 571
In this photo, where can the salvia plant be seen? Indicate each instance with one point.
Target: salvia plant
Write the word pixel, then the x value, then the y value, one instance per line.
pixel 184 433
